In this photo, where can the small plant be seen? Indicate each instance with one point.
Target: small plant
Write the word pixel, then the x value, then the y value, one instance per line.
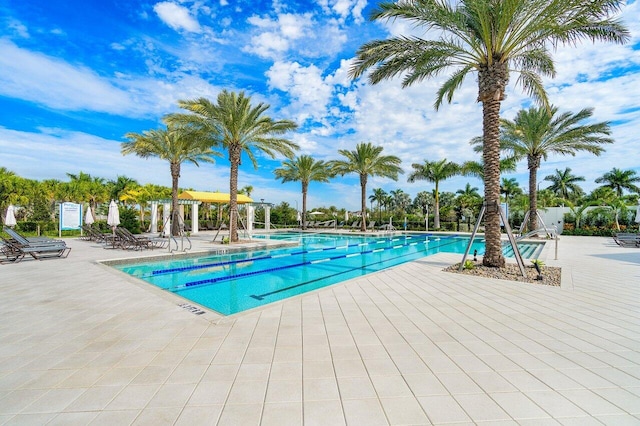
pixel 538 262
pixel 469 264
pixel 225 240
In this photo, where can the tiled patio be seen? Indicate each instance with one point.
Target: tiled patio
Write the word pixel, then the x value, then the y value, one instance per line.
pixel 81 344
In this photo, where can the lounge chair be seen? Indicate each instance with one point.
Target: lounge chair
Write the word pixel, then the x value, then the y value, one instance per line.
pixel 627 239
pixel 138 242
pixel 21 239
pixel 39 250
pixel 9 254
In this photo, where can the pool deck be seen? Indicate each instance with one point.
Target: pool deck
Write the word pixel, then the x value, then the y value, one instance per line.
pixel 81 343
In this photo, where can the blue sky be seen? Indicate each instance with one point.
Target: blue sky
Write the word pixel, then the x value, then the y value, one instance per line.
pixel 75 76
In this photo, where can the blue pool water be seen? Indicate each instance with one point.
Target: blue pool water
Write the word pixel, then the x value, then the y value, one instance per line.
pixel 236 282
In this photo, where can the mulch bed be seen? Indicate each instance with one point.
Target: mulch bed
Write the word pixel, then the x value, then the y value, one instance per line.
pixel 550 275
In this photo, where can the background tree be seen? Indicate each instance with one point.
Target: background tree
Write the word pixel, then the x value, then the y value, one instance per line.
pixel 178 143
pixel 378 196
pixel 467 202
pixel 366 160
pixel 563 184
pixel 494 39
pixel 435 172
pixel 120 186
pixel 303 169
pixel 536 133
pixel 239 127
pixel 619 180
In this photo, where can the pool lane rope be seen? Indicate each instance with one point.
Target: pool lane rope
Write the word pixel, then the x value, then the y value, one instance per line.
pixel 216 280
pixel 275 256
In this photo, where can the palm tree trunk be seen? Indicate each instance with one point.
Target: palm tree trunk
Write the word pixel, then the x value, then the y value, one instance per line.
pixel 363 200
pixel 491 157
pixel 533 164
pixel 436 213
pixel 305 186
pixel 175 175
pixel 234 158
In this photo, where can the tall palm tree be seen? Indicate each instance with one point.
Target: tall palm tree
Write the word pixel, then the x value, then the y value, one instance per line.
pixel 435 172
pixel 563 183
pixel 619 180
pixel 303 169
pixel 509 187
pixel 536 133
pixel 493 39
pixel 176 144
pixel 367 160
pixel 239 127
pixel 378 196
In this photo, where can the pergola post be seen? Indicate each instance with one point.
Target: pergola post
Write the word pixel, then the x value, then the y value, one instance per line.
pixel 154 217
pixel 194 219
pixel 267 217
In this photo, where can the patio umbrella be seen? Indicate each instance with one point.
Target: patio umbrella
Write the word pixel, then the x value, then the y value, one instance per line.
pixel 638 213
pixel 315 213
pixel 346 216
pixel 113 218
pixel 10 218
pixel 88 218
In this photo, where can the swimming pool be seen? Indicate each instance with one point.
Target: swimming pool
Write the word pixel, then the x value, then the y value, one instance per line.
pixel 240 281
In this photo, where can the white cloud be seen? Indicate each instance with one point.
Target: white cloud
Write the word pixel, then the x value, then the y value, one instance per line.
pixel 276 36
pixel 54 83
pixel 305 86
pixel 176 16
pixel 50 81
pixel 17 28
pixel 344 8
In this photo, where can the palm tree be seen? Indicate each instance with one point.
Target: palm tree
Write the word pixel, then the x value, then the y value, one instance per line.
pixel 176 144
pixel 378 196
pixel 619 180
pixel 367 160
pixel 237 126
pixel 303 169
pixel 401 200
pixel 84 187
pixel 493 39
pixel 509 187
pixel 563 183
pixel 120 186
pixel 537 132
pixel 434 171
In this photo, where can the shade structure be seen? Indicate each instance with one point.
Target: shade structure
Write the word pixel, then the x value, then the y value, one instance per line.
pixel 113 218
pixel 638 214
pixel 316 213
pixel 213 197
pixel 88 218
pixel 10 217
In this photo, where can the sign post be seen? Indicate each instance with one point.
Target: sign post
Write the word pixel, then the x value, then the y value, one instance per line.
pixel 70 217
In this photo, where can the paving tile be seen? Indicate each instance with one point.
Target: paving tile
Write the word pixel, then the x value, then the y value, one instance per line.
pixel 356 388
pixel 404 411
pixel 70 419
pixel 590 402
pixel 327 412
pixel 240 414
pixel 364 412
pixel 481 408
pixel 555 404
pixel 247 392
pixel 443 409
pixel 94 399
pixel 202 415
pixel 158 416
pixel 390 386
pixel 518 406
pixel 210 393
pixel 284 391
pixel 282 413
pixel 320 389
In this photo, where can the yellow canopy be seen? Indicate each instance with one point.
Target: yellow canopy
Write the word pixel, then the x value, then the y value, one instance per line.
pixel 212 197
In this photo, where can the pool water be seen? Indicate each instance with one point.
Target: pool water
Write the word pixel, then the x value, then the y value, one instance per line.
pixel 236 282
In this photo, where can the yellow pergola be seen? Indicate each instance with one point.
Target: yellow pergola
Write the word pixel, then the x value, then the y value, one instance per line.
pixel 213 197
